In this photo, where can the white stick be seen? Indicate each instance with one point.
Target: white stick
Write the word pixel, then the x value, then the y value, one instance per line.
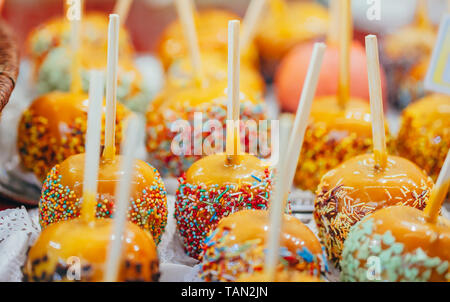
pixel 439 192
pixel 376 100
pixel 444 175
pixel 293 150
pixel 302 114
pixel 122 198
pixel 251 20
pixel 233 88
pixel 276 203
pixel 92 155
pixel 122 8
pixel 111 86
pixel 186 14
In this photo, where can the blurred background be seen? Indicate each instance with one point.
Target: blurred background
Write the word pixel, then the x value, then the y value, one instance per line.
pixel 23 15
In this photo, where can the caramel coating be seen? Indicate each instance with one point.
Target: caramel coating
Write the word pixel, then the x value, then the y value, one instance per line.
pixel 300 22
pixel 212 32
pixel 407 246
pixel 333 136
pixel 214 69
pixel 424 135
pixel 56 32
pixel 63 190
pixel 414 42
pixel 53 128
pixel 357 188
pixel 214 188
pixel 184 104
pixel 213 170
pixel 51 257
pixel 237 246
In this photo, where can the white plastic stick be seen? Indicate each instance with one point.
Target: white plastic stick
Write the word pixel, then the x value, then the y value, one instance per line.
pixel 122 8
pixel 276 203
pixel 289 164
pixel 439 192
pixel 376 101
pixel 123 198
pixel 233 111
pixel 186 14
pixel 251 20
pixel 92 155
pixel 111 86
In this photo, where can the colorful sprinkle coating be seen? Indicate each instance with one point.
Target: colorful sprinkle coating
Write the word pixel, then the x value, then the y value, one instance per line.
pixel 40 148
pixel 227 263
pixel 335 212
pixel 324 150
pixel 396 262
pixel 59 202
pixel 198 208
pixel 425 141
pixel 160 136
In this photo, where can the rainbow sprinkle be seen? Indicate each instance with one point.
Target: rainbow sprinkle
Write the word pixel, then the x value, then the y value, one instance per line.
pixel 160 136
pixel 59 203
pixel 199 208
pixel 227 263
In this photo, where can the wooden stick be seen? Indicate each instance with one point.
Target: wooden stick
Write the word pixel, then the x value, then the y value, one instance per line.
pixel 122 8
pixel 122 198
pixel 376 101
pixel 75 68
pixel 294 148
pixel 251 20
pixel 92 155
pixel 186 14
pixel 276 205
pixel 233 139
pixel 345 39
pixel 333 27
pixel 439 192
pixel 111 87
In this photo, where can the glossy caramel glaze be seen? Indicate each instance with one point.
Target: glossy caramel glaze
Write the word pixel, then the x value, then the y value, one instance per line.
pixel 214 170
pixel 53 128
pixel 56 32
pixel 184 103
pixel 354 118
pixel 250 225
pixel 298 22
pixel 49 259
pixel 63 190
pixel 333 136
pixel 72 171
pixel 237 246
pixel 424 135
pixel 412 42
pixel 213 188
pixel 215 69
pixel 212 31
pixel 407 246
pixel 357 187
